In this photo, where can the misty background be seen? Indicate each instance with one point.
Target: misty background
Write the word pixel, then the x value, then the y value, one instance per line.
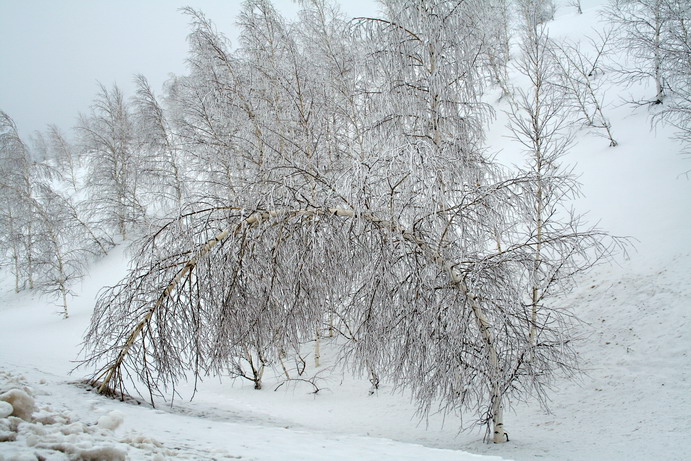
pixel 53 54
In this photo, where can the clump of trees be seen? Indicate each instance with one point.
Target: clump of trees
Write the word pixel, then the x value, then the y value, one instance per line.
pixel 328 175
pixel 656 37
pixel 45 237
pixel 341 181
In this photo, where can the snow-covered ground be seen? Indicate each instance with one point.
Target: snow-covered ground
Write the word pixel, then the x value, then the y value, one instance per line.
pixel 631 403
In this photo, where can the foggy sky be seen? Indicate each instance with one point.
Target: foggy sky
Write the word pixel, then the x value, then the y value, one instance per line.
pixel 53 53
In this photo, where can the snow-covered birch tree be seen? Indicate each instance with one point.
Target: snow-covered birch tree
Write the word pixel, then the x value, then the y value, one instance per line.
pixel 16 216
pixel 352 184
pixel 66 156
pixel 497 33
pixel 580 75
pixel 44 236
pixel 64 249
pixel 166 178
pixel 535 12
pixel 655 35
pixel 556 243
pixel 642 27
pixel 114 164
pixel 677 63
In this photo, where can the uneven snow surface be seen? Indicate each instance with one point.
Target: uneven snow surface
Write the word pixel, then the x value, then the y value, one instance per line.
pixel 632 402
pixel 71 423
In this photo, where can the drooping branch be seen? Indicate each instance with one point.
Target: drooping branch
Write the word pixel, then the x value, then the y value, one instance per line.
pixel 110 377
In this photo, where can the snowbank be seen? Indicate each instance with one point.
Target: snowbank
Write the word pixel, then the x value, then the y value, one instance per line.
pixel 70 423
pixel 6 409
pixel 21 402
pixel 31 430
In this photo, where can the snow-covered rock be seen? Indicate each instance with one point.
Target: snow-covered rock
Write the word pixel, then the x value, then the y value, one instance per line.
pixel 22 403
pixel 111 421
pixel 6 409
pixel 16 455
pixel 100 454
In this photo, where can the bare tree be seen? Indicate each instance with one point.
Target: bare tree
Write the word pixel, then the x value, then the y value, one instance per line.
pixel 39 147
pixel 576 4
pixel 64 248
pixel 496 16
pixel 535 12
pixel 641 27
pixel 655 34
pixel 65 155
pixel 213 115
pixel 677 64
pixel 166 175
pixel 387 215
pixel 559 244
pixel 580 76
pixel 48 243
pixel 16 178
pixel 115 166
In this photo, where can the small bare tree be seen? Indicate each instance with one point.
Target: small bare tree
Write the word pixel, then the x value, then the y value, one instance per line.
pixel 535 12
pixel 580 76
pixel 496 15
pixel 115 166
pixel 166 175
pixel 63 246
pixel 655 35
pixel 576 4
pixel 677 63
pixel 642 30
pixel 558 242
pixel 65 155
pixel 17 175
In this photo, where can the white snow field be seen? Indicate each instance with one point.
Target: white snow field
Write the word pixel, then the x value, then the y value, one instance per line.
pixel 631 403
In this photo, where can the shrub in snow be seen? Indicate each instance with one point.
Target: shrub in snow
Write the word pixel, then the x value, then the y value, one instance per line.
pixel 23 404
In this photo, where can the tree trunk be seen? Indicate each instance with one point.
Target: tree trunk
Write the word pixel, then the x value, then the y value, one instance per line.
pixel 15 258
pixel 63 291
pixel 281 357
pixel 499 434
pixel 317 350
pixel 658 54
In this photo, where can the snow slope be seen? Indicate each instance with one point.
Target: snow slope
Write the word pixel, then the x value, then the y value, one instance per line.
pixel 631 403
pixel 72 424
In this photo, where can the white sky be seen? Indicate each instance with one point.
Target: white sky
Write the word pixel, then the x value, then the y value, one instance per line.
pixel 53 52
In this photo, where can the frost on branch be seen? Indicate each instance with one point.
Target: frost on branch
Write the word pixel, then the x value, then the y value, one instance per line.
pixel 214 284
pixel 347 182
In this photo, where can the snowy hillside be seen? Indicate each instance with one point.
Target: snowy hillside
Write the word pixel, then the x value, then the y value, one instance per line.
pixel 631 403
